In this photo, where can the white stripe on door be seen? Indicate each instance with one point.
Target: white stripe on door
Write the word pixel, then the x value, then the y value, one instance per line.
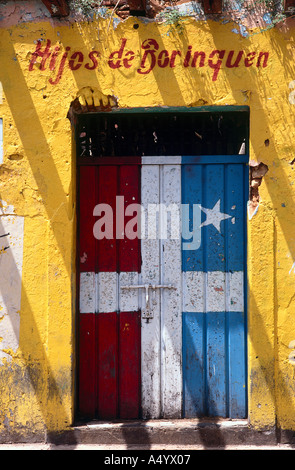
pixel 202 292
pixel 150 270
pixel 171 302
pixel 161 264
pixel 102 292
pixel 214 291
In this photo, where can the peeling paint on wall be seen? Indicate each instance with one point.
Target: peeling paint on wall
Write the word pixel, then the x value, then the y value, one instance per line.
pixel 246 15
pixel 257 172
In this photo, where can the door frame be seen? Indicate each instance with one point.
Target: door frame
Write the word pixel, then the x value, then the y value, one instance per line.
pixel 91 161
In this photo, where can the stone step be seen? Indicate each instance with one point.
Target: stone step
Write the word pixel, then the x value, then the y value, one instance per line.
pixel 200 432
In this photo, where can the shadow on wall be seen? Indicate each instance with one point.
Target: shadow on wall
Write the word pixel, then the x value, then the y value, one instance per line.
pixel 279 189
pixel 37 377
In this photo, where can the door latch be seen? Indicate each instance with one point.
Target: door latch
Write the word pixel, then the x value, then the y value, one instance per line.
pixel 147 311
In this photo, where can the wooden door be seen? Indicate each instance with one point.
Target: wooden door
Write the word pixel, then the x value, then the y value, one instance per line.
pixel 162 303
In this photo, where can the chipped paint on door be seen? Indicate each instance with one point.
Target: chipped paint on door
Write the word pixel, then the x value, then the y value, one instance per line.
pixel 109 324
pixel 161 264
pixel 186 356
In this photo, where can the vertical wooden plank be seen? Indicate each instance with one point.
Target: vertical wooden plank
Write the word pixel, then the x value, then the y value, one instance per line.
pixel 235 206
pixel 107 191
pixel 129 245
pixel 192 194
pixel 87 366
pixel 215 267
pixel 214 205
pixel 215 291
pixel 87 303
pixel 129 365
pixel 106 266
pixel 194 365
pixel 86 324
pixel 129 323
pixel 237 365
pixel 216 364
pixel 235 259
pixel 150 347
pixel 193 286
pixel 194 300
pixel 129 298
pixel 107 322
pixel 107 353
pixel 171 300
pixel 87 202
pixel 107 287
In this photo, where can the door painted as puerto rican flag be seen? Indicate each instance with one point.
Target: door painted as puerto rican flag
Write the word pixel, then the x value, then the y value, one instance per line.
pixel 162 327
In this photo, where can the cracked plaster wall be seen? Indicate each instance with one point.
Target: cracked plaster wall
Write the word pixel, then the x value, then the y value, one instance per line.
pixel 38 179
pixel 246 15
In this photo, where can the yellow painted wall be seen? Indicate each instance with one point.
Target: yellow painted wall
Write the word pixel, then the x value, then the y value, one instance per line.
pixel 38 180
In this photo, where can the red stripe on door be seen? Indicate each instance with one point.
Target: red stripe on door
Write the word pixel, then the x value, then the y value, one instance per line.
pixel 110 355
pixel 118 365
pixel 87 180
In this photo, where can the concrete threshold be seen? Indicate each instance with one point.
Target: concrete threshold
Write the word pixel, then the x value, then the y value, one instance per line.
pixel 214 433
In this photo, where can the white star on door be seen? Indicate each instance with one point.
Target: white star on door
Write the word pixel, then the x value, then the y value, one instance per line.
pixel 214 216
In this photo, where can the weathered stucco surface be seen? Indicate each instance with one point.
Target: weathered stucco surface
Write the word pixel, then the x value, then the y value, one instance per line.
pixel 123 62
